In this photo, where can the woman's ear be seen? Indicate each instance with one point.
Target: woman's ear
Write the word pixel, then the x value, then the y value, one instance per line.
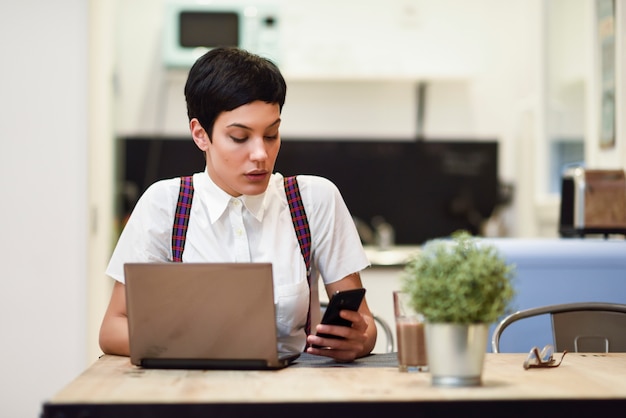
pixel 199 135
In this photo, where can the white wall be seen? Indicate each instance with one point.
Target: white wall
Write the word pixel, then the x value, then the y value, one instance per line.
pixel 43 175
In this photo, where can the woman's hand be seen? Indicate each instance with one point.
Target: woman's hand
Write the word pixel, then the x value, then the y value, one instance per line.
pixel 355 341
pixel 351 344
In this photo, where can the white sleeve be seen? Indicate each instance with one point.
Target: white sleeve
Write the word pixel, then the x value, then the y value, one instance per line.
pixel 336 246
pixel 148 233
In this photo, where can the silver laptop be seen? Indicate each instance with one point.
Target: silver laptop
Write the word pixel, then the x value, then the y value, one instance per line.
pixel 202 316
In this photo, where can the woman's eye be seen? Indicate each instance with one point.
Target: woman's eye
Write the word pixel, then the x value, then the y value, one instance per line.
pixel 238 140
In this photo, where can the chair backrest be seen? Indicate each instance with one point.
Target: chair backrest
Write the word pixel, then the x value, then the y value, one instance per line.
pixel 578 327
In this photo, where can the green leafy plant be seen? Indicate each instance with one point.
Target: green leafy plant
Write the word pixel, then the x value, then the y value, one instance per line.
pixel 459 280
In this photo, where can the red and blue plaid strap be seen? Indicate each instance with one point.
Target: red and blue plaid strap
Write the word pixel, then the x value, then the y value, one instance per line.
pixel 301 227
pixel 181 218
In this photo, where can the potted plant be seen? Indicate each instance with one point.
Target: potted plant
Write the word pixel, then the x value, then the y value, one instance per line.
pixel 461 285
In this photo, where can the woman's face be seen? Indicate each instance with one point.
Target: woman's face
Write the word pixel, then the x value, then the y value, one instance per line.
pixel 244 147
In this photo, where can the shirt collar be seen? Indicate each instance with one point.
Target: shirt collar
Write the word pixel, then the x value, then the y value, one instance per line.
pixel 217 200
pixel 255 205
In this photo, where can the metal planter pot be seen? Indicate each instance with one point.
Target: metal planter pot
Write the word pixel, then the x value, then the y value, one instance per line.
pixel 456 353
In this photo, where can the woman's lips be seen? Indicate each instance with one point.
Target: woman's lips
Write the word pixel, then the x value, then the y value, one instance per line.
pixel 257 175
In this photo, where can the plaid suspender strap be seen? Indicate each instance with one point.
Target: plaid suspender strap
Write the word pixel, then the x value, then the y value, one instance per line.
pixel 181 219
pixel 298 217
pixel 301 226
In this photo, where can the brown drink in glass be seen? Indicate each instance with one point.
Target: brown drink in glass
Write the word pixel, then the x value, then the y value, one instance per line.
pixel 410 335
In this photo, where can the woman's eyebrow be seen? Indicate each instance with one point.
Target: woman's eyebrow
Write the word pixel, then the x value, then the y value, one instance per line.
pixel 276 122
pixel 242 126
pixel 238 125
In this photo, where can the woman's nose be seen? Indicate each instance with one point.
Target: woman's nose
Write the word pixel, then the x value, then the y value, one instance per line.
pixel 258 151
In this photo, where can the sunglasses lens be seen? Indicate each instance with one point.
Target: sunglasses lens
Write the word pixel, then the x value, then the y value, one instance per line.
pixel 543 358
pixel 546 354
pixel 532 358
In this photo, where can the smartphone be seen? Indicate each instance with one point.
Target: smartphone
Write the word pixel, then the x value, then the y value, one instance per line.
pixel 346 299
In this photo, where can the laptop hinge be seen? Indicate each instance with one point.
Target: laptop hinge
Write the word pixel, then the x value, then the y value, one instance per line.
pixel 223 364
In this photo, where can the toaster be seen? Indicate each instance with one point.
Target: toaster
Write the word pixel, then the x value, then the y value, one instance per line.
pixel 592 202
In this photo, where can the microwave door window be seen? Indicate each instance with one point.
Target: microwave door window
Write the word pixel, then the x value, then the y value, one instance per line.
pixel 208 29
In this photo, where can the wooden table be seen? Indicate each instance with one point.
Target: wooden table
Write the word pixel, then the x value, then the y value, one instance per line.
pixel 584 385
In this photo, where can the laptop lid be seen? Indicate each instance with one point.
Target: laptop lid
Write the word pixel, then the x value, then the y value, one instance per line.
pixel 202 315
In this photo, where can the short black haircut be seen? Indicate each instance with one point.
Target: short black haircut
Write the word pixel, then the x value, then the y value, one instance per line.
pixel 225 78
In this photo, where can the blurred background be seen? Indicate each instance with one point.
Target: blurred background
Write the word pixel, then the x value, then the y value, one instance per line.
pixel 461 112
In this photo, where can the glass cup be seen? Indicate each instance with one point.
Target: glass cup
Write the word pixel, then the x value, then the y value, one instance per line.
pixel 410 335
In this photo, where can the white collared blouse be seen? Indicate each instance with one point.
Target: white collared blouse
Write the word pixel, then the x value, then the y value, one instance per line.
pixel 259 228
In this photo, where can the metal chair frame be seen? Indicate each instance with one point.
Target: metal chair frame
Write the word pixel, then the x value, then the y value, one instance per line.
pixel 577 325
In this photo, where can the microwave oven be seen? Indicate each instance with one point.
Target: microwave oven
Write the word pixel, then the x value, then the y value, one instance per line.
pixel 192 28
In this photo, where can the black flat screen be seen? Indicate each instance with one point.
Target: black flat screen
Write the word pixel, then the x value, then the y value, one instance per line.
pixel 423 189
